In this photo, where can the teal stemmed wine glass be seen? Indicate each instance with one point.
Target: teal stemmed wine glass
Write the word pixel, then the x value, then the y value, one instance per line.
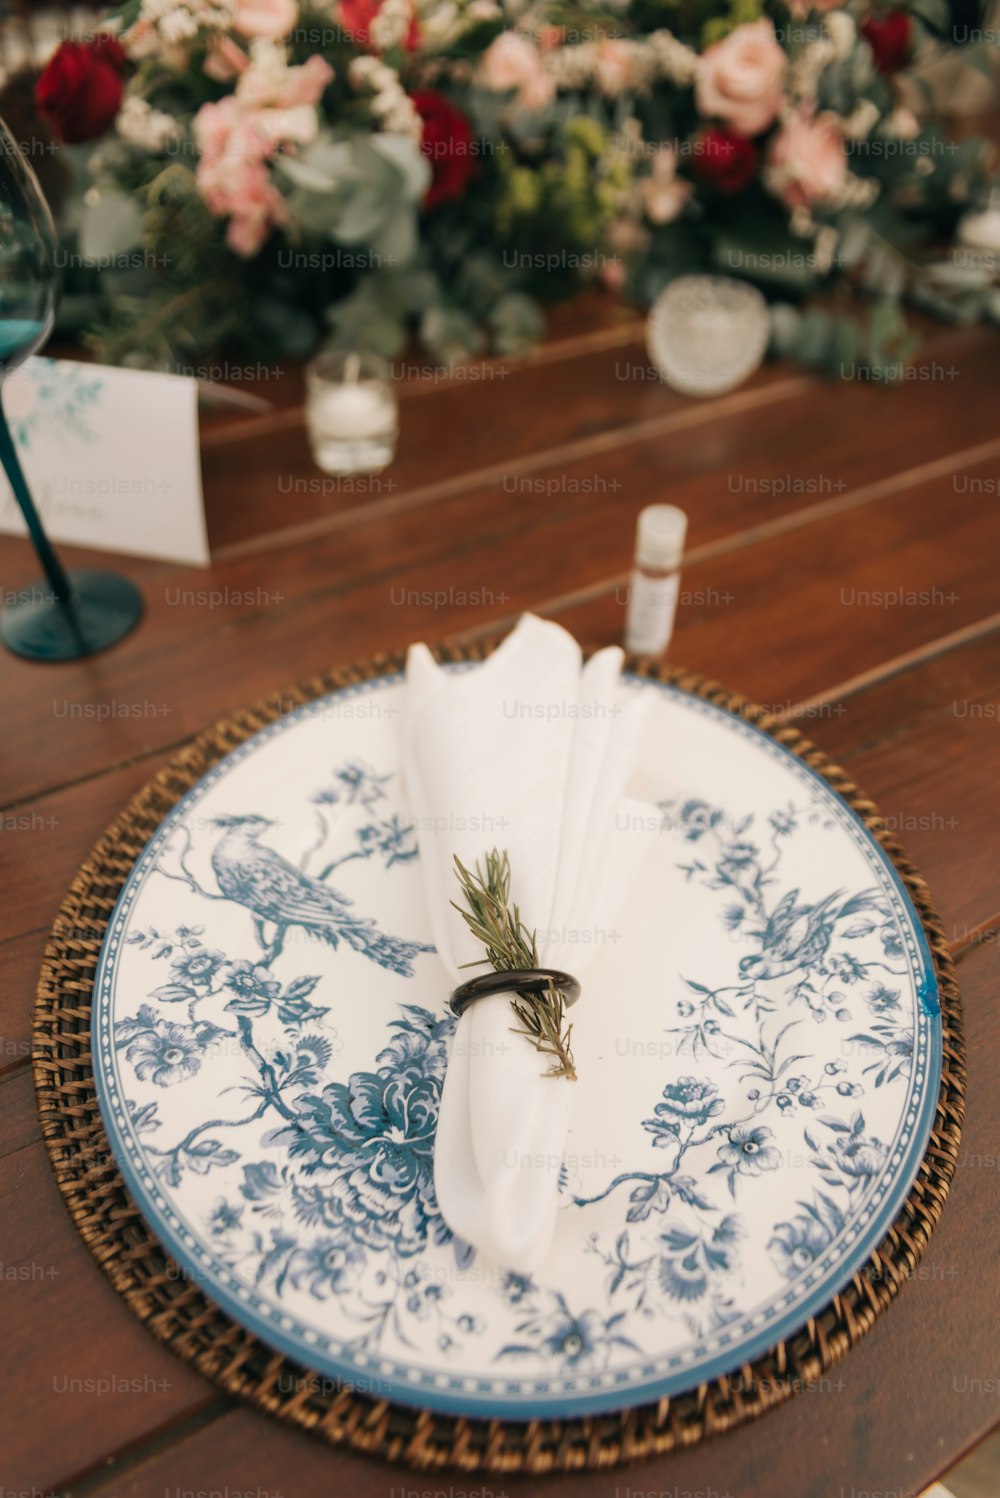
pixel 73 613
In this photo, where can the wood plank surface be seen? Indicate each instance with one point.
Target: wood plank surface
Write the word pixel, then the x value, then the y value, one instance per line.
pixel 392 579
pixel 841 569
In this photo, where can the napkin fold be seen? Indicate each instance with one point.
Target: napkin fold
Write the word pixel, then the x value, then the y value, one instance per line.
pixel 529 752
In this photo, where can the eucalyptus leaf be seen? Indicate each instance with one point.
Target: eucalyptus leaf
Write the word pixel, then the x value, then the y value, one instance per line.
pixel 935 15
pixel 451 334
pixel 409 161
pixel 955 310
pixel 815 337
pixel 860 69
pixel 855 237
pixel 372 192
pixel 110 227
pixel 786 326
pixel 837 87
pixel 517 323
pixel 398 241
pixel 371 317
pixel 983 57
pixel 417 287
pixel 381 335
pixel 843 346
pixel 951 276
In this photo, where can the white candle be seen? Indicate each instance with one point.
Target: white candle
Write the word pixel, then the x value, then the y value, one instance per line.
pixel 349 413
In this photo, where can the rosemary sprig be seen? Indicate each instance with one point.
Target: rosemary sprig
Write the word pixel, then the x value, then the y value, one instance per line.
pixel 509 944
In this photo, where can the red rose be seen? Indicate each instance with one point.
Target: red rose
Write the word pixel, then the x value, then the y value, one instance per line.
pixel 889 39
pixel 447 143
pixel 80 91
pixel 727 161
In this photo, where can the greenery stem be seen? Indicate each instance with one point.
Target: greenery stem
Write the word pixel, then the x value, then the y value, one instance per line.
pixel 509 944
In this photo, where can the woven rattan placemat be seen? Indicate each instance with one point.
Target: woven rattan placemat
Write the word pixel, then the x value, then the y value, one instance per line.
pixel 179 1313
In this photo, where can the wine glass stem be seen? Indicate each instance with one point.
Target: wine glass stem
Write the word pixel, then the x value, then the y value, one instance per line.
pixel 46 554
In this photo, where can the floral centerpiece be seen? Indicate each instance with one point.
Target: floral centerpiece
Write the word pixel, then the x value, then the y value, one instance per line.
pixel 268 173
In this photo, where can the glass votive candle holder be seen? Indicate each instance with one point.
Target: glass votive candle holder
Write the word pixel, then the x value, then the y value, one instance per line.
pixel 707 334
pixel 351 412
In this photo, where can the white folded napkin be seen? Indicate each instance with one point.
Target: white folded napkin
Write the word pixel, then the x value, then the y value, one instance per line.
pixel 529 752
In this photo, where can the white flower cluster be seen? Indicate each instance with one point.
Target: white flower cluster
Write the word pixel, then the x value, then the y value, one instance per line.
pixel 141 125
pixel 671 59
pixel 660 55
pixel 808 68
pixel 390 102
pixel 861 121
pixel 443 20
pixel 827 240
pixel 854 192
pixel 843 33
pixel 165 27
pixel 390 24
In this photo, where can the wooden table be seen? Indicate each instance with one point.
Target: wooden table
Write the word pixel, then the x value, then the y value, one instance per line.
pixel 842 568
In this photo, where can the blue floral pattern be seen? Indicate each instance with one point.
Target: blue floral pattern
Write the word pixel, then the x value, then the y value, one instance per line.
pixel 794 952
pixel 62 395
pixel 294 1131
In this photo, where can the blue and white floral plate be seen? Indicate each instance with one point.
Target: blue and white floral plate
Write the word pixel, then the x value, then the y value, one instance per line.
pixel 759 1051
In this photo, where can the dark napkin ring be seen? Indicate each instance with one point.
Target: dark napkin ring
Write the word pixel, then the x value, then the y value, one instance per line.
pixel 522 980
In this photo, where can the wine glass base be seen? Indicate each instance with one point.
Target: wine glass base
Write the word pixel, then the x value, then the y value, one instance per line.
pixel 103 608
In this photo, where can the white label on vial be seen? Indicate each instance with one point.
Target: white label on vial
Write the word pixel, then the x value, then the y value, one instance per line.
pixel 652 602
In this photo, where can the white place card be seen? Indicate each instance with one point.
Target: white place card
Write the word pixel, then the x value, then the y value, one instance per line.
pixel 111 456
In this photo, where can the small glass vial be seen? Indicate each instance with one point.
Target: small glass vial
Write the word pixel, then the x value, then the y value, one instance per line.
pixel 351 413
pixel 652 594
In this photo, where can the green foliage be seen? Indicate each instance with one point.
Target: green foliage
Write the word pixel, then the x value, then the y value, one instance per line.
pixel 740 13
pixel 125 14
pixel 934 14
pixel 489 914
pixel 474 40
pixel 186 300
pixel 516 323
pixel 554 196
pixel 363 190
pixel 553 216
pixel 879 346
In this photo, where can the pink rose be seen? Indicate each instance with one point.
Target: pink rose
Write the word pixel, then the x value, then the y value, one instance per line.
pixel 807 162
pixel 268 83
pixel 305 84
pixel 740 80
pixel 229 129
pixel 268 18
pixel 225 60
pixel 232 175
pixel 263 208
pixel 226 129
pixel 240 188
pixel 512 63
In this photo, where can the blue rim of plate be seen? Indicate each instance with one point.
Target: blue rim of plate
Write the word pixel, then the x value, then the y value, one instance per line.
pixel 738 1345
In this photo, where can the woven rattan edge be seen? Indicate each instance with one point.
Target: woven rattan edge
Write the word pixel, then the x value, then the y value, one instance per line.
pixel 184 1319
